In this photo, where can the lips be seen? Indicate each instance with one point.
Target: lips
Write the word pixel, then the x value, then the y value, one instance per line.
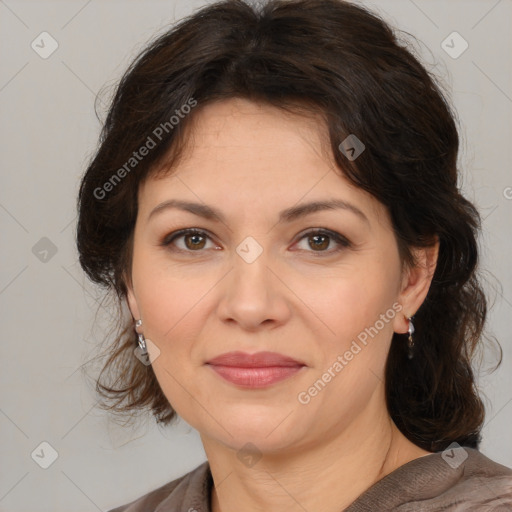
pixel 258 360
pixel 254 370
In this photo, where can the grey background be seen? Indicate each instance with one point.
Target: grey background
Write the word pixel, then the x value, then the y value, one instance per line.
pixel 49 323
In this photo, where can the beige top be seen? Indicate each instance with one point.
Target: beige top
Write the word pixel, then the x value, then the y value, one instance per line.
pixel 445 481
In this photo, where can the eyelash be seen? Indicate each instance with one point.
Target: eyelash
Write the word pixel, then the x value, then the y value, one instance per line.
pixel 336 237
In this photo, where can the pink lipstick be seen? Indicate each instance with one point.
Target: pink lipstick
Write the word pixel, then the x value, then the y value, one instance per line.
pixel 254 370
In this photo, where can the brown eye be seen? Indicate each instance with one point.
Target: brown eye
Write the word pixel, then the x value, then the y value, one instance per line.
pixel 194 240
pixel 319 241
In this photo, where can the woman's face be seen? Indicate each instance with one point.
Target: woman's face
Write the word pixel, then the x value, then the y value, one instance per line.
pixel 260 279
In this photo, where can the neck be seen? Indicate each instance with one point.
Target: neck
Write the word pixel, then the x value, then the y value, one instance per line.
pixel 325 477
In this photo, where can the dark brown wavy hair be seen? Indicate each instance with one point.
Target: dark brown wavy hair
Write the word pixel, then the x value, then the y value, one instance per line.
pixel 327 57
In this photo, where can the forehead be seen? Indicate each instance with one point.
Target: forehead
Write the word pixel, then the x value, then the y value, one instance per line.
pixel 222 119
pixel 244 136
pixel 243 153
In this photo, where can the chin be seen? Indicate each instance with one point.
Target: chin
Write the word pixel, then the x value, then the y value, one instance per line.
pixel 267 433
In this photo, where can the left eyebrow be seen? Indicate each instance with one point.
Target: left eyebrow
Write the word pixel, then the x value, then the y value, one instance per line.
pixel 287 215
pixel 301 210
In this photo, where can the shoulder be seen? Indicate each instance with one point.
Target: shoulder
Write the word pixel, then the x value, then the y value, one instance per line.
pixel 478 464
pixel 458 476
pixel 481 481
pixel 188 492
pixel 463 476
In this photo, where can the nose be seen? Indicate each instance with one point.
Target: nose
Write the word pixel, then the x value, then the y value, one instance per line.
pixel 254 295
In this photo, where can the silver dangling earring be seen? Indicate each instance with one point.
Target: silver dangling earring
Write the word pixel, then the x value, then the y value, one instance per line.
pixel 141 340
pixel 410 341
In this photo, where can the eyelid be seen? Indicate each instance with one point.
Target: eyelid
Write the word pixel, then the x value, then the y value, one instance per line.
pixel 171 237
pixel 342 241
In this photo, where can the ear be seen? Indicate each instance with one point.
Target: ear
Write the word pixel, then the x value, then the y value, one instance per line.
pixel 416 283
pixel 132 302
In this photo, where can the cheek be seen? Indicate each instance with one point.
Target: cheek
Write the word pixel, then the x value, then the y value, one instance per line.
pixel 174 315
pixel 171 310
pixel 169 295
pixel 360 312
pixel 354 300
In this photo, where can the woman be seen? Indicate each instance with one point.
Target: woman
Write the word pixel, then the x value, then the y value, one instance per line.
pixel 275 199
